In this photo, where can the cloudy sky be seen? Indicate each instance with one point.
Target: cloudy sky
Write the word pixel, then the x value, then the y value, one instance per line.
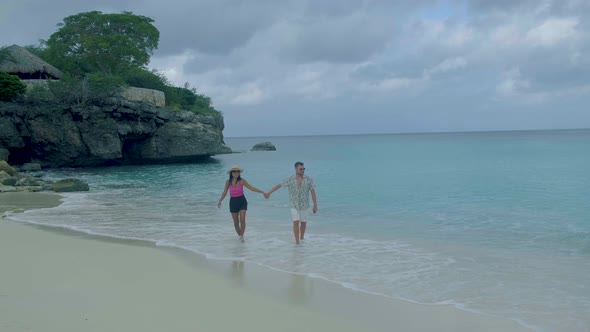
pixel 301 67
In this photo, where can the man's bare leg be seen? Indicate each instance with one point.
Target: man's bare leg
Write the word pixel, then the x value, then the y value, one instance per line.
pixel 302 230
pixel 296 230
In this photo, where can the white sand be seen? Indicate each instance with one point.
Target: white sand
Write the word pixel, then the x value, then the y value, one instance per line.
pixel 57 281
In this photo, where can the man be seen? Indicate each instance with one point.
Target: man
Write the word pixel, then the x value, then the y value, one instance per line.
pixel 300 186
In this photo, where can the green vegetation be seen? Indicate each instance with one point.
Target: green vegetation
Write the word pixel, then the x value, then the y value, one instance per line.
pixel 177 98
pixel 187 98
pixel 101 53
pixel 91 88
pixel 92 42
pixel 10 87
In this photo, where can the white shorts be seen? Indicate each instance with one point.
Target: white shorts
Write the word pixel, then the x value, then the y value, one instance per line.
pixel 300 215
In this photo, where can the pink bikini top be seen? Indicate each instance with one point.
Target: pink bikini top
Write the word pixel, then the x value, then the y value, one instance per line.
pixel 237 190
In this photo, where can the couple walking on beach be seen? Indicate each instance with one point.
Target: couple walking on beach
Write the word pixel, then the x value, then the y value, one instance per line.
pixel 300 186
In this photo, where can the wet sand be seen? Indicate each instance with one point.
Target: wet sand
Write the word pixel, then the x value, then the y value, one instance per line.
pixel 61 280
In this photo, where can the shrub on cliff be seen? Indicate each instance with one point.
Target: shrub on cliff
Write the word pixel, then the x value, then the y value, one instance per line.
pixel 91 88
pixel 177 98
pixel 70 90
pixel 187 98
pixel 102 85
pixel 180 98
pixel 147 79
pixel 10 87
pixel 203 105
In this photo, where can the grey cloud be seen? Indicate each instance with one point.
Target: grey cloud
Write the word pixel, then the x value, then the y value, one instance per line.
pixel 345 31
pixel 215 27
pixel 548 7
pixel 292 49
pixel 570 7
pixel 398 68
pixel 212 27
pixel 202 63
pixel 501 5
pixel 42 17
pixel 557 69
pixel 347 7
pixel 225 71
pixel 332 8
pixel 412 58
pixel 349 39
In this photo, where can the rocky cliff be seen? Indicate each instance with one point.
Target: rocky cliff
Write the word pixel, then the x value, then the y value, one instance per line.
pixel 117 132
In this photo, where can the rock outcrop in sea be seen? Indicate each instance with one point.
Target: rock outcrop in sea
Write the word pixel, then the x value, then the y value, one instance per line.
pixel 117 131
pixel 264 146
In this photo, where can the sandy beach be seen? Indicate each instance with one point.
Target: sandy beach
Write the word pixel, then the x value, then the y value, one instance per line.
pixel 60 280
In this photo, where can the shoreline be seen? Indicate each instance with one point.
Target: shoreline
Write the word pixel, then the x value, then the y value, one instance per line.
pixel 195 293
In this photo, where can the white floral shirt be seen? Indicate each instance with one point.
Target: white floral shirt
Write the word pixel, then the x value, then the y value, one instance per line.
pixel 299 193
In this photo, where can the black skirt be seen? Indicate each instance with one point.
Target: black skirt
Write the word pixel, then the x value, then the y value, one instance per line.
pixel 236 204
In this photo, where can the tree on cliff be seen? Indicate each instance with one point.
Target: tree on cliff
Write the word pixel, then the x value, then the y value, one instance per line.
pixel 96 42
pixel 99 53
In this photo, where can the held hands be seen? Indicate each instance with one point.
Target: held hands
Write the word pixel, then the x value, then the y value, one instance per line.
pixel 266 195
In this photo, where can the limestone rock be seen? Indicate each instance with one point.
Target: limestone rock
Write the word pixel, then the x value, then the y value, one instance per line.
pixel 9 135
pixel 10 181
pixel 69 185
pixel 28 167
pixel 117 131
pixel 7 189
pixel 27 181
pixel 264 146
pixel 4 153
pixel 7 168
pixel 154 97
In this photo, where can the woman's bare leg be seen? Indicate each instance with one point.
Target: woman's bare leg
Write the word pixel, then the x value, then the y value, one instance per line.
pixel 242 222
pixel 236 223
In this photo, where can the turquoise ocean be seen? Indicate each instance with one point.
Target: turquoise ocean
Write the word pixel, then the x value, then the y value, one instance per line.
pixel 491 222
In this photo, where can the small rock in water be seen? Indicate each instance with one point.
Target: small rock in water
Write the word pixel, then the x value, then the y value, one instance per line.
pixel 69 185
pixel 264 146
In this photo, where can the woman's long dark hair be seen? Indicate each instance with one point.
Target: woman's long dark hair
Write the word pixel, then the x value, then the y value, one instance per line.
pixel 237 180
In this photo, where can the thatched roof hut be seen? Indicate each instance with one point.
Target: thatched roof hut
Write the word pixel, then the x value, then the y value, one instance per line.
pixel 17 60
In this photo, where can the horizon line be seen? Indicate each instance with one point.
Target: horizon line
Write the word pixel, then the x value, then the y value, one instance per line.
pixel 418 133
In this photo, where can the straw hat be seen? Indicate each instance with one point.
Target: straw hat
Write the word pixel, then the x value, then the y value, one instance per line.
pixel 235 168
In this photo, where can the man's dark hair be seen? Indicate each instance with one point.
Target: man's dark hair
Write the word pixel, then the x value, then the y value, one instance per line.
pixel 298 164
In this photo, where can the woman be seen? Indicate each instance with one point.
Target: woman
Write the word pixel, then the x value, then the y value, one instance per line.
pixel 237 202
